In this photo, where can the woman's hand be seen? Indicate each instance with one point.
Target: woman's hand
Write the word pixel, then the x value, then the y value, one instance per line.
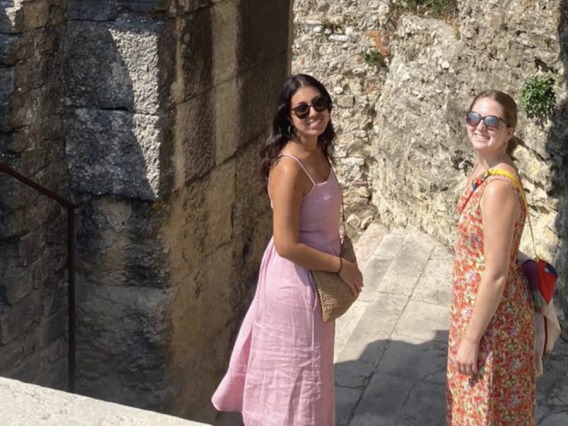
pixel 465 361
pixel 352 276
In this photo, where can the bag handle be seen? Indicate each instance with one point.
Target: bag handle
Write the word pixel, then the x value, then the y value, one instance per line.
pixel 515 181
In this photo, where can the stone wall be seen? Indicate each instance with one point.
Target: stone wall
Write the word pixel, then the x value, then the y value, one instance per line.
pixel 415 154
pixel 33 285
pixel 167 107
pixel 331 39
pixel 436 69
pixel 151 115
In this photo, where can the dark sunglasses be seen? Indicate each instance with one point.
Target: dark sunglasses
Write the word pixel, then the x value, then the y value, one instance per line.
pixel 491 121
pixel 302 110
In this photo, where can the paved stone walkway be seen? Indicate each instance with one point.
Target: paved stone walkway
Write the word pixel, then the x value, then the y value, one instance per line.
pixel 391 346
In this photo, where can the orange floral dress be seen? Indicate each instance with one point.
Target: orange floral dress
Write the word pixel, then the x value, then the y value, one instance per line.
pixel 503 393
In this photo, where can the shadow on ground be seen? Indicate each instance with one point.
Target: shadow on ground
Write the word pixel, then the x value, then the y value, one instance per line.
pixel 394 382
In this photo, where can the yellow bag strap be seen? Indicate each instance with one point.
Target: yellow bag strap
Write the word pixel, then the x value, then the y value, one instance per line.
pixel 515 181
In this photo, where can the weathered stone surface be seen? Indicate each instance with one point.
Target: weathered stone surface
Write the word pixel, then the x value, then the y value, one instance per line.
pixel 195 55
pixel 123 103
pixel 197 248
pixel 330 43
pixel 23 404
pixel 264 31
pixel 95 10
pixel 114 152
pixel 404 135
pixel 115 65
pixel 33 288
pixel 255 121
pixel 122 347
pixel 194 143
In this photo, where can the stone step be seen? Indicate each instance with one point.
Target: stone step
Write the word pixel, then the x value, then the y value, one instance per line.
pixel 402 261
pixel 375 268
pixel 24 404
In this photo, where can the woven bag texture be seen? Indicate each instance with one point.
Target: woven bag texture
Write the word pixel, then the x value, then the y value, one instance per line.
pixel 334 294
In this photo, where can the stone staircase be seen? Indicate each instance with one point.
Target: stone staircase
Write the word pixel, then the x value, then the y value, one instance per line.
pixel 391 346
pixel 390 352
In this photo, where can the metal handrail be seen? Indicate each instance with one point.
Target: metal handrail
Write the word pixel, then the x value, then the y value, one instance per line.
pixel 71 231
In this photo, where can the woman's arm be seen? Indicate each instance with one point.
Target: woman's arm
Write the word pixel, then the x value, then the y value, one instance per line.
pixel 500 210
pixel 288 185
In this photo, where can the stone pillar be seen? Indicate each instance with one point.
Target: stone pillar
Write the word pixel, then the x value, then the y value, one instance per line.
pixel 167 106
pixel 33 284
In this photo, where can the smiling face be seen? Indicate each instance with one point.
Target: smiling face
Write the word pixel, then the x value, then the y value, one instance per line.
pixel 489 140
pixel 315 122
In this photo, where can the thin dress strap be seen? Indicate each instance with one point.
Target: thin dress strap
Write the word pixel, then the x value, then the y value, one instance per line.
pixel 284 154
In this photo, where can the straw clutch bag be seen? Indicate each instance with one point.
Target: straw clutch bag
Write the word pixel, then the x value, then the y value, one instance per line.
pixel 335 295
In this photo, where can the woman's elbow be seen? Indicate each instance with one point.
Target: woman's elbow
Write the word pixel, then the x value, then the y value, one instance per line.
pixel 284 249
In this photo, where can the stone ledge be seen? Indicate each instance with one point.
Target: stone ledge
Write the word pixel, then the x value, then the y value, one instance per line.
pixel 25 404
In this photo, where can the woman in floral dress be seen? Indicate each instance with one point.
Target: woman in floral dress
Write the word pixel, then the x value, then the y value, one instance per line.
pixel 490 375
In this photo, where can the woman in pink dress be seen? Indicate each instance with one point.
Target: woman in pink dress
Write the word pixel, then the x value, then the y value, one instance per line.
pixel 281 368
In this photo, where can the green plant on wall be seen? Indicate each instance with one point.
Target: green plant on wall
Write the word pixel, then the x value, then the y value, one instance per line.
pixel 373 58
pixel 537 96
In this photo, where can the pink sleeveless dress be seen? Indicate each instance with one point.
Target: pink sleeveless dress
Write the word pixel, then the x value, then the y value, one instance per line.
pixel 281 368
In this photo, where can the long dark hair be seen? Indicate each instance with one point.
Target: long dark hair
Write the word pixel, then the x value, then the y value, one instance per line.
pixel 281 131
pixel 509 112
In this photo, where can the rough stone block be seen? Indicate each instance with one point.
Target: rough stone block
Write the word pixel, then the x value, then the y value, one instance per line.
pixel 220 196
pixel 106 10
pixel 114 152
pixel 224 29
pixel 9 46
pixel 19 222
pixel 116 65
pixel 6 83
pixel 260 100
pixel 181 7
pixel 195 55
pixel 20 318
pixel 264 31
pixel 46 365
pixel 203 322
pixel 195 144
pixel 227 128
pixel 118 244
pixel 15 286
pixel 252 218
pixel 128 363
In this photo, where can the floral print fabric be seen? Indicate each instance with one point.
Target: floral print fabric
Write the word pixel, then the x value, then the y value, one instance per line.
pixel 503 393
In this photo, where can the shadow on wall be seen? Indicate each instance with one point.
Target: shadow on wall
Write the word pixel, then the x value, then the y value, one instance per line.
pixel 113 121
pixel 33 311
pixel 557 146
